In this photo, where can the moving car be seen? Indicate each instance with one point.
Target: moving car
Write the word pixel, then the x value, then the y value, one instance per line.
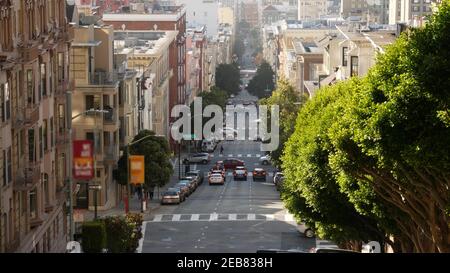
pixel 216 178
pixel 259 174
pixel 221 172
pixel 179 191
pixel 171 197
pixel 232 163
pixel 203 158
pixel 240 173
pixel 264 160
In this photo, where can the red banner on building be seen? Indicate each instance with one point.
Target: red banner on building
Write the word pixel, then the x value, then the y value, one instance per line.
pixel 83 160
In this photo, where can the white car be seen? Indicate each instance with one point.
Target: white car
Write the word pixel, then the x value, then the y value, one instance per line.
pixel 216 178
pixel 265 160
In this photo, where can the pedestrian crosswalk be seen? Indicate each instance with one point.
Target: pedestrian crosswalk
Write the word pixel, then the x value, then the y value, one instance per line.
pixel 249 174
pixel 222 217
pixel 235 155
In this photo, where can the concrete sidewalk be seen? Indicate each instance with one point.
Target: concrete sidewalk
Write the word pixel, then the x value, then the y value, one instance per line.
pixel 135 207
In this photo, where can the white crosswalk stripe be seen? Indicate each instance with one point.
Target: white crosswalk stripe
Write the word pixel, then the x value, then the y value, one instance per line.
pixel 249 155
pixel 230 155
pixel 224 217
pixel 239 155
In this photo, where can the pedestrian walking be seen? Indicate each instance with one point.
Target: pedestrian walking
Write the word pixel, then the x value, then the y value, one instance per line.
pixel 221 150
pixel 151 195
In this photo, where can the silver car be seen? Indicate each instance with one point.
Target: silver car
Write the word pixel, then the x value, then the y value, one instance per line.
pixel 203 158
pixel 171 197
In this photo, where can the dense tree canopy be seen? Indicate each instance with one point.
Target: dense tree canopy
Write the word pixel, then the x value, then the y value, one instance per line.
pixel 158 168
pixel 228 78
pixel 262 84
pixel 381 145
pixel 289 102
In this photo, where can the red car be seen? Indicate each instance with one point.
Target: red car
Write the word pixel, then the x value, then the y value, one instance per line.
pixel 232 163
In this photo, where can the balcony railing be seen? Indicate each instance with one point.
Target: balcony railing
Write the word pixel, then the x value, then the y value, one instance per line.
pixel 31 114
pixel 27 177
pixel 104 78
pixel 30 52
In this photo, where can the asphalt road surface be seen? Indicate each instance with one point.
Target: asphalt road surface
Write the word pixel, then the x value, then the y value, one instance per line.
pixel 241 216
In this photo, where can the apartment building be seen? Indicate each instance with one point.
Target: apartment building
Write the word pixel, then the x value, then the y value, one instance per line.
pixel 197 44
pixel 160 18
pixel 201 13
pixel 273 11
pixel 34 79
pixel 373 11
pixel 349 53
pixel 295 42
pixel 312 9
pixel 148 52
pixel 249 11
pixel 96 87
pixel 411 12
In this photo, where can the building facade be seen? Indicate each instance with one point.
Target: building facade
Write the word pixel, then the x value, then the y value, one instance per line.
pixel 162 18
pixel 411 12
pixel 312 9
pixel 34 78
pixel 201 13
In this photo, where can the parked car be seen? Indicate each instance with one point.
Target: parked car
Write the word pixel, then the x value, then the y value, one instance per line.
pixel 264 160
pixel 277 177
pixel 240 173
pixel 232 163
pixel 189 183
pixel 216 179
pixel 171 197
pixel 185 190
pixel 191 179
pixel 203 158
pixel 259 174
pixel 179 191
pixel 198 174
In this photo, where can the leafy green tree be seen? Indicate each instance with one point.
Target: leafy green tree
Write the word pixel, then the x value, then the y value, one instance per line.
pixel 310 190
pixel 228 78
pixel 289 102
pixel 379 145
pixel 394 140
pixel 158 168
pixel 214 97
pixel 239 47
pixel 262 84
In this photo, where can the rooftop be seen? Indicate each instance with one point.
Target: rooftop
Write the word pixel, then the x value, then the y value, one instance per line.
pixel 142 42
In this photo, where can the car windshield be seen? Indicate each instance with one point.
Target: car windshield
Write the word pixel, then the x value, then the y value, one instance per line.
pixel 170 193
pixel 216 175
pixel 175 189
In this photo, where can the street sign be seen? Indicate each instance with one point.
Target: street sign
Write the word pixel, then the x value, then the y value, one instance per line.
pixel 137 169
pixel 83 160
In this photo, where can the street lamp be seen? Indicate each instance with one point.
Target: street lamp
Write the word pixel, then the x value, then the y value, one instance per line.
pixel 70 118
